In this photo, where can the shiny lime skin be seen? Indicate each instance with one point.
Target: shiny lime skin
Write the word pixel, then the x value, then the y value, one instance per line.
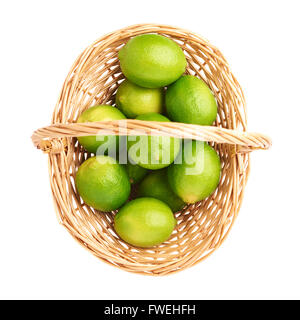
pixel 156 185
pixel 152 60
pixel 134 100
pixel 99 113
pixel 135 172
pixel 145 222
pixel 190 100
pixel 103 183
pixel 199 173
pixel 158 152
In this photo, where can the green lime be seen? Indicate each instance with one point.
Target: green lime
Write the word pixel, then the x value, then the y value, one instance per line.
pixel 103 183
pixel 199 173
pixel 190 100
pixel 135 172
pixel 134 100
pixel 152 60
pixel 100 113
pixel 156 185
pixel 153 152
pixel 145 222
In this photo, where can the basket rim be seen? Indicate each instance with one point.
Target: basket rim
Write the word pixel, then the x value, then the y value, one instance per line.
pixel 47 138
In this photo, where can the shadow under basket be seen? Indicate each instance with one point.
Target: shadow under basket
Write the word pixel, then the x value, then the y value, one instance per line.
pixel 203 226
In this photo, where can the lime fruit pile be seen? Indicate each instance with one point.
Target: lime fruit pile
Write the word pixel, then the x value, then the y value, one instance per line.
pixel 167 173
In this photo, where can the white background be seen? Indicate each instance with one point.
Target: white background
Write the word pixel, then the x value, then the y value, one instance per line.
pixel 39 42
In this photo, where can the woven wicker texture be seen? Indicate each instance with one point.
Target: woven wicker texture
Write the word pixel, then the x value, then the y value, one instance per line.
pixel 202 227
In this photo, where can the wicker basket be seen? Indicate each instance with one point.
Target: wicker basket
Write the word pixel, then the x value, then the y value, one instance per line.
pixel 202 227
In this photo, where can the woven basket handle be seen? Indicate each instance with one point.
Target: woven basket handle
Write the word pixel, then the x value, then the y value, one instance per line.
pixel 50 139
